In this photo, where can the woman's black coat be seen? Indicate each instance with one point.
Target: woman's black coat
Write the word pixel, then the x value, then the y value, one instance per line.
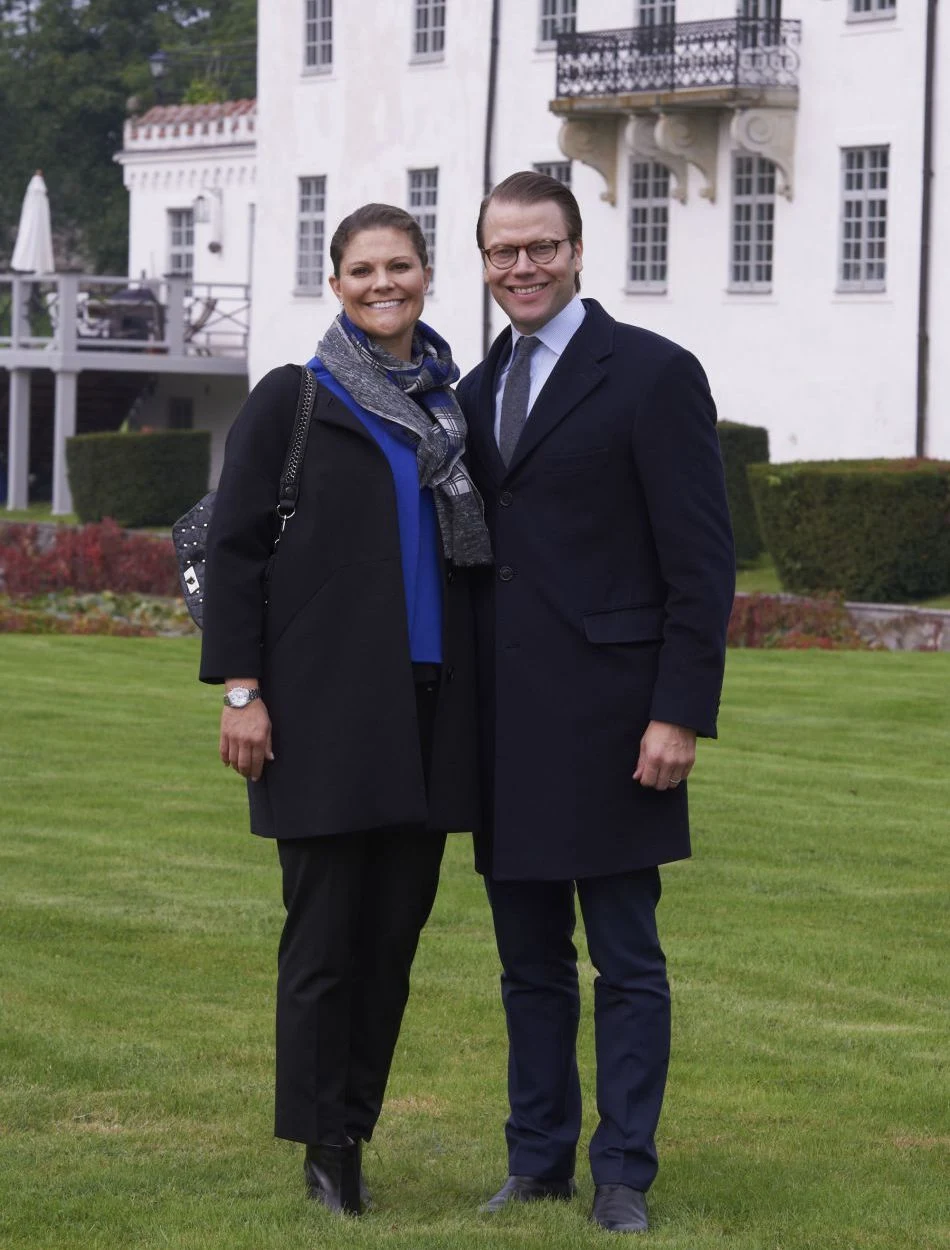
pixel 331 645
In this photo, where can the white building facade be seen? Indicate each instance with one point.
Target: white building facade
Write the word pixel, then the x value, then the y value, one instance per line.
pixel 751 184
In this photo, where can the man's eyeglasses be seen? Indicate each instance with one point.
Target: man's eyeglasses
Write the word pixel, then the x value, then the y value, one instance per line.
pixel 541 251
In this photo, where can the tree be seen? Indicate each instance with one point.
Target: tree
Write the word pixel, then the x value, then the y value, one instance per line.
pixel 68 69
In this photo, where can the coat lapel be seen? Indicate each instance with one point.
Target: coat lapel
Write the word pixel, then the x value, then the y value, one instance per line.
pixel 579 370
pixel 332 411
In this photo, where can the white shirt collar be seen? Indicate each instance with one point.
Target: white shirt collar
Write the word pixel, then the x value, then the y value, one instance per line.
pixel 558 332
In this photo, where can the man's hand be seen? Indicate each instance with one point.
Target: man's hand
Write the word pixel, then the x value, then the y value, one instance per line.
pixel 667 755
pixel 246 739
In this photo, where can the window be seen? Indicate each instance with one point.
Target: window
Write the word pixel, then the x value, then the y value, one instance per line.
pixel 656 12
pixel 318 36
pixel 649 226
pixel 861 10
pixel 181 412
pixel 558 17
pixel 424 204
pixel 181 241
pixel 561 170
pixel 311 232
pixel 753 224
pixel 429 35
pixel 863 219
pixel 760 23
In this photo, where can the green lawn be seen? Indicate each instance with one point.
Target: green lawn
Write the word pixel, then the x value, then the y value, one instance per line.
pixel 808 1100
pixel 35 513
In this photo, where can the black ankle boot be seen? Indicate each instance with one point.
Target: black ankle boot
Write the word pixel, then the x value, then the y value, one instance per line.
pixel 332 1174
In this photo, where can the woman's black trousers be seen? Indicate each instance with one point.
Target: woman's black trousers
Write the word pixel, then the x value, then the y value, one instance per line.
pixel 356 904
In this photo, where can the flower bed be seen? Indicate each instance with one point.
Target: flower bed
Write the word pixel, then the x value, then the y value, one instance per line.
pixel 90 558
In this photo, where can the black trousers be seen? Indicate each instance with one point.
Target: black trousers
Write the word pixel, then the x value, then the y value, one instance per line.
pixel 356 904
pixel 534 928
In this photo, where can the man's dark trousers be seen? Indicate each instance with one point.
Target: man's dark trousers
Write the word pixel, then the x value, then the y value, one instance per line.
pixel 534 926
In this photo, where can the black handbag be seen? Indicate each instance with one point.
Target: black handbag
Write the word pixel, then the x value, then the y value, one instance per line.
pixel 190 532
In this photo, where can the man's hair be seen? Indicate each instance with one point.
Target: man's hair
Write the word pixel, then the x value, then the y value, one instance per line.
pixel 530 187
pixel 376 217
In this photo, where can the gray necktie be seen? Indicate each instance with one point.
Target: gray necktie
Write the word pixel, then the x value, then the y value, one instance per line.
pixel 514 400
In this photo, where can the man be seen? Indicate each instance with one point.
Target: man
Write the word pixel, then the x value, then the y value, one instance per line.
pixel 601 637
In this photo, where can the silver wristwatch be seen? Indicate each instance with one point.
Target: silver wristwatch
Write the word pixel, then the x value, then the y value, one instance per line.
pixel 240 696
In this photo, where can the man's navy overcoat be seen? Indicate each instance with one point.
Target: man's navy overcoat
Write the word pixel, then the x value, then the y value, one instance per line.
pixel 608 603
pixel 331 645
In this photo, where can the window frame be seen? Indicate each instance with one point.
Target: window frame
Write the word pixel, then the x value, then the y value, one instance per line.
pixel 310 261
pixel 880 11
pixel 865 195
pixel 655 207
pixel 760 205
pixel 654 10
pixel 181 219
pixel 555 17
pixel 548 167
pixel 421 184
pixel 321 44
pixel 429 30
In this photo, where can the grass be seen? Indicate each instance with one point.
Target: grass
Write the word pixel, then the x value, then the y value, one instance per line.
pixel 760 576
pixel 807 1104
pixel 35 513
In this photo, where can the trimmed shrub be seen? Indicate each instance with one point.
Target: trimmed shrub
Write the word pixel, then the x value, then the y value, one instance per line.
pixel 741 446
pixel 37 561
pixel 871 530
pixel 138 479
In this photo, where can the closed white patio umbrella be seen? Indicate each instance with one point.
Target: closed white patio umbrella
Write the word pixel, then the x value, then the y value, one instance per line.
pixel 33 252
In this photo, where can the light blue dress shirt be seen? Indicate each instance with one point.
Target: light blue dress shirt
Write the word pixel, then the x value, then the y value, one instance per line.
pixel 554 337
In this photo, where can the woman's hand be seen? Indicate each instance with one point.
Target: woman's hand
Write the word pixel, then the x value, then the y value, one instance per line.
pixel 246 739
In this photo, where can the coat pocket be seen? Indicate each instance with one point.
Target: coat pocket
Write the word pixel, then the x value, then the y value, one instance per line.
pixel 643 624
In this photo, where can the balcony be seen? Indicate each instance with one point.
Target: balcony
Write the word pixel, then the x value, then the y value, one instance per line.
pixel 75 322
pixel 732 60
pixel 71 323
pixel 665 89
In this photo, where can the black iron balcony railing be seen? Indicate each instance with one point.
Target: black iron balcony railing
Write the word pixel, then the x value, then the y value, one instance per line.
pixel 731 52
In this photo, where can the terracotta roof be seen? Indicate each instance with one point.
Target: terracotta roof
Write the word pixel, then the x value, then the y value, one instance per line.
pixel 177 114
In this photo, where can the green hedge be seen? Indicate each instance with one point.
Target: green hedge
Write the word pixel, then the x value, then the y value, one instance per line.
pixel 872 530
pixel 138 479
pixel 741 446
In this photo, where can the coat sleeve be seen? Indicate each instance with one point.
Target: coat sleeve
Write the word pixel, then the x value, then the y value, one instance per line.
pixel 243 527
pixel 680 467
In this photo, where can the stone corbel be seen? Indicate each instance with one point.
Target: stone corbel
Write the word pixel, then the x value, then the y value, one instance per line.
pixel 693 136
pixel 593 140
pixel 640 141
pixel 769 133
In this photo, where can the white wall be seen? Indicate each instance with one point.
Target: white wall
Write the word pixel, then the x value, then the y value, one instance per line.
pixel 831 374
pixel 216 402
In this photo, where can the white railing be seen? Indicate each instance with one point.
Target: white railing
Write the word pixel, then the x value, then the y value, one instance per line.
pixel 171 316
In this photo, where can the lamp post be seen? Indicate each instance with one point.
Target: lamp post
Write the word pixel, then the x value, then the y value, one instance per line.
pixel 158 67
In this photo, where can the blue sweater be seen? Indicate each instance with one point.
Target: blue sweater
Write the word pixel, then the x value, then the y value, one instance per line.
pixel 418 527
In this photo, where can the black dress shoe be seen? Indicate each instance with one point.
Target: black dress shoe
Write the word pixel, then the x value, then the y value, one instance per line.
pixel 620 1209
pixel 528 1189
pixel 332 1174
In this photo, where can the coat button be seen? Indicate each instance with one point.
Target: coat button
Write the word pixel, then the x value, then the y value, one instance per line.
pixel 506 573
pixel 450 674
pixel 450 575
pixel 505 498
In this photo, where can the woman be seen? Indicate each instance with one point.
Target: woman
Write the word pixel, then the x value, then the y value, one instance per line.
pixel 350 704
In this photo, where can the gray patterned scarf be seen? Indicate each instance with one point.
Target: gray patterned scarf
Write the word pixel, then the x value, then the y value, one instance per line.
pixel 416 395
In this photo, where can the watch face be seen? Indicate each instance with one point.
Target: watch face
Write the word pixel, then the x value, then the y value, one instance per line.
pixel 239 697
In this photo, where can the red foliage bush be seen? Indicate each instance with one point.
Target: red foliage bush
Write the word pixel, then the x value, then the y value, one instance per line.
pixel 96 557
pixel 787 623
